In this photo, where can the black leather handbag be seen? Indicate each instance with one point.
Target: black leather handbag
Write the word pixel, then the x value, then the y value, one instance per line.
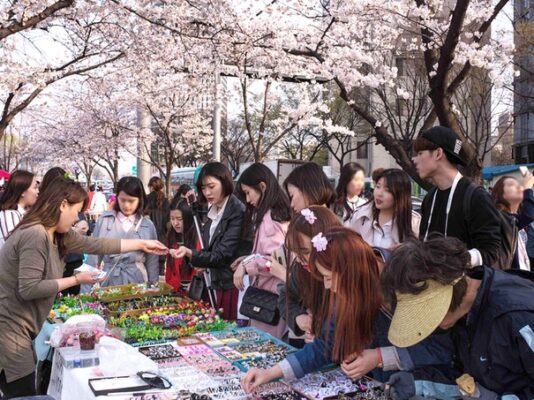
pixel 196 290
pixel 260 305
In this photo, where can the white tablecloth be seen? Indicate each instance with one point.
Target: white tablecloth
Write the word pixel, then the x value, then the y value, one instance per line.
pixel 116 359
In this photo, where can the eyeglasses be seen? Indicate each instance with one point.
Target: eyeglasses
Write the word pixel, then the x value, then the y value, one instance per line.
pixel 154 380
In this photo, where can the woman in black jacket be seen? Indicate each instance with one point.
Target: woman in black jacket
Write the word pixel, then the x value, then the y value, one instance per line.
pixel 221 235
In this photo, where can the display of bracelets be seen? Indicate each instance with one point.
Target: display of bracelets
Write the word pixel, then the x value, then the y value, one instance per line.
pixel 221 370
pixel 230 353
pixel 187 377
pixel 367 390
pixel 154 396
pixel 321 385
pixel 194 350
pixel 276 391
pixel 267 362
pixel 188 395
pixel 226 390
pixel 239 335
pixel 160 352
pixel 209 339
pixel 267 347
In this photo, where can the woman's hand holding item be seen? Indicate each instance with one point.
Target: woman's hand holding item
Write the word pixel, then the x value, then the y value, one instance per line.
pixel 256 377
pixel 239 275
pixel 181 252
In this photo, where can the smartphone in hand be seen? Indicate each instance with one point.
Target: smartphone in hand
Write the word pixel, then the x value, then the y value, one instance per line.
pixel 280 256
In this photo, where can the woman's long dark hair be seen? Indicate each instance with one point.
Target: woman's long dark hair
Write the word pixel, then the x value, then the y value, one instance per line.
pixel 273 198
pixel 189 234
pixel 398 183
pixel 157 184
pixel 18 183
pixel 345 176
pixel 50 175
pixel 132 186
pixel 46 211
pixel 310 179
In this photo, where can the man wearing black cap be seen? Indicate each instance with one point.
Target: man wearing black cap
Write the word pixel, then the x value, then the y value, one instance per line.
pixel 438 151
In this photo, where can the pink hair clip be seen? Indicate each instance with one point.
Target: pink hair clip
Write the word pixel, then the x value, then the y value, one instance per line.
pixel 319 242
pixel 308 215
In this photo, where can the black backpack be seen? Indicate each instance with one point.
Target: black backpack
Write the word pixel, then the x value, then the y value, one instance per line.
pixel 509 230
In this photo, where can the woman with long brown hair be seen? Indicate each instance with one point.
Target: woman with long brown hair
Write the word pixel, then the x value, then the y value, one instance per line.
pixel 31 266
pixel 20 194
pixel 388 220
pixel 303 295
pixel 517 200
pixel 349 270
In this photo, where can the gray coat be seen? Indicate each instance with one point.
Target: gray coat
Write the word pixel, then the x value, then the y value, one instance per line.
pixel 127 269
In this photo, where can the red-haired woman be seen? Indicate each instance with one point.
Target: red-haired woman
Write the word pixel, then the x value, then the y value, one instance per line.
pixel 355 334
pixel 303 295
pixel 349 270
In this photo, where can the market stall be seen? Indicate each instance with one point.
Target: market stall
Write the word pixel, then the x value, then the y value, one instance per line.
pixel 171 348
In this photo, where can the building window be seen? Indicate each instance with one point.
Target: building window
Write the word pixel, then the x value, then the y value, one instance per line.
pixel 362 151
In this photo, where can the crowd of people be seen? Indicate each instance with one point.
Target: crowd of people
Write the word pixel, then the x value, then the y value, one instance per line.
pixel 437 303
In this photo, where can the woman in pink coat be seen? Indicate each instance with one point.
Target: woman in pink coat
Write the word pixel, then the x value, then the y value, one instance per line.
pixel 267 218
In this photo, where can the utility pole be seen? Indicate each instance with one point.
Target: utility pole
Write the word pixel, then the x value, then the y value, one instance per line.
pixel 217 118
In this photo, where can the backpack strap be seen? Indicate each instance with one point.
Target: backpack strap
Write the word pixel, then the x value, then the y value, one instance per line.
pixel 468 196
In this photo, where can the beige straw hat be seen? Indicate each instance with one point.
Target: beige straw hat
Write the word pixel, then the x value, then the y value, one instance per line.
pixel 418 315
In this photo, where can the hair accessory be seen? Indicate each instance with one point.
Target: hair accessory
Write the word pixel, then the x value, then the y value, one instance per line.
pixel 308 215
pixel 319 242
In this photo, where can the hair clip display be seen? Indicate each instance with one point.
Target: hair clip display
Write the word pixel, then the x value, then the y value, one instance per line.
pixel 160 352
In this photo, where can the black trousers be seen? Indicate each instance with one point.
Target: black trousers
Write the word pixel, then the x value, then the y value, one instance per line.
pixel 24 386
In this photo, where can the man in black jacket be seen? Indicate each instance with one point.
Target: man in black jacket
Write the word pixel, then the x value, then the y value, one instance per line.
pixel 437 153
pixel 490 313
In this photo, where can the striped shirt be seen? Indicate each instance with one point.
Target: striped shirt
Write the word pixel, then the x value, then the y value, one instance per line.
pixel 9 219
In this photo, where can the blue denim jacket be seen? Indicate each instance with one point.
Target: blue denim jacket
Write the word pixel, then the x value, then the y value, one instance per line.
pixel 435 350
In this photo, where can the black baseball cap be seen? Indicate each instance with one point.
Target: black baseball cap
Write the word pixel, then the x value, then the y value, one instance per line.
pixel 448 140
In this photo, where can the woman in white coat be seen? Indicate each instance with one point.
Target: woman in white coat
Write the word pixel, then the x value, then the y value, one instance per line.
pixel 388 220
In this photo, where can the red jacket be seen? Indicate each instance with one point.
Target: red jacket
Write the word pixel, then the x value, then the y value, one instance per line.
pixel 178 270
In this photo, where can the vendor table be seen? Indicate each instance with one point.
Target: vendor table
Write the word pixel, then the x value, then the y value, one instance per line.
pixel 206 366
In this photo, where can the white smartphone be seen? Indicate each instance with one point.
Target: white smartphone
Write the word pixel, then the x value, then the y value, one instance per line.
pixel 280 256
pixel 524 170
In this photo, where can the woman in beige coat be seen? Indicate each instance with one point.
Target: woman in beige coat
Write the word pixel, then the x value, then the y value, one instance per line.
pixel 388 220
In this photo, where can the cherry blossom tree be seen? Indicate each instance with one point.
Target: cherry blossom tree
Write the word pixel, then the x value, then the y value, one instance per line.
pixel 352 44
pixel 46 42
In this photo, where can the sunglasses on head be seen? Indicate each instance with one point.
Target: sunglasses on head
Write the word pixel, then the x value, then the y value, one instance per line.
pixel 154 380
